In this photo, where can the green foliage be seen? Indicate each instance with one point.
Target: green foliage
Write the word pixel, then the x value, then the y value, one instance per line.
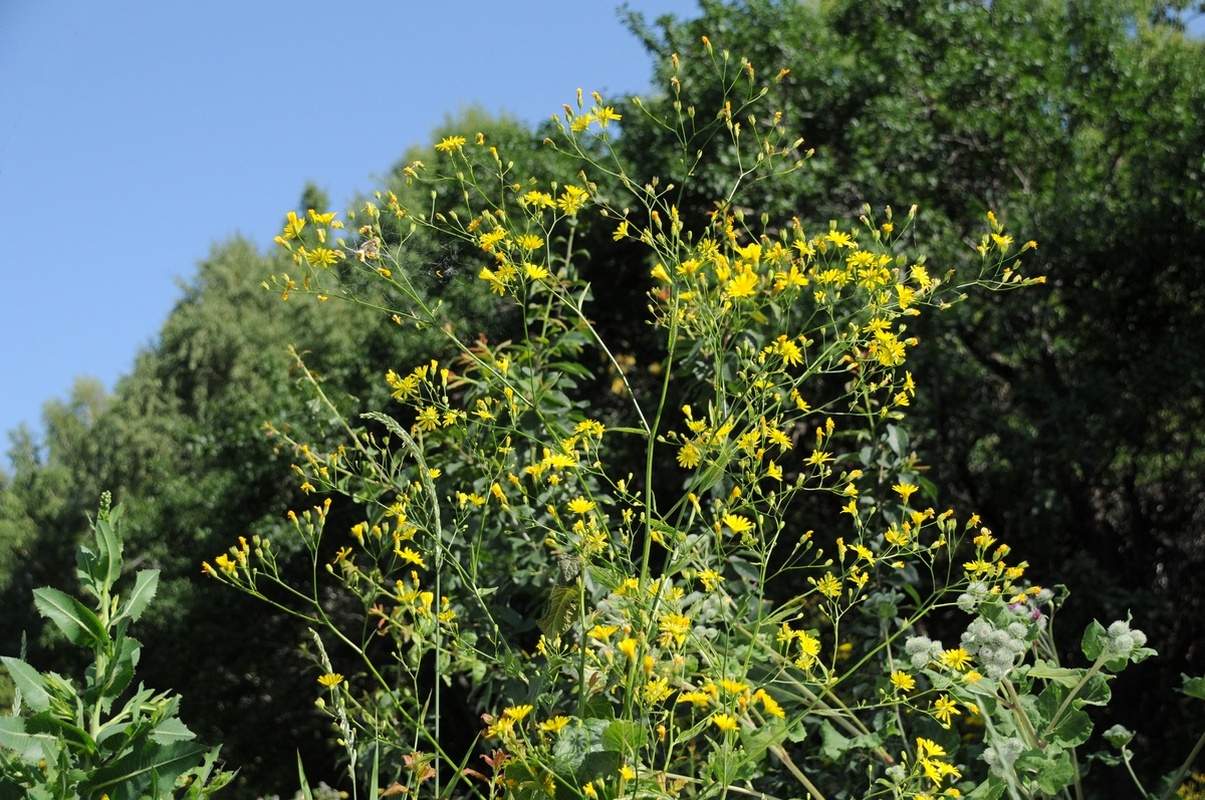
pixel 65 740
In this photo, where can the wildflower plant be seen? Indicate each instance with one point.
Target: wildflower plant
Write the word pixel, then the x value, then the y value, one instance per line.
pixel 731 564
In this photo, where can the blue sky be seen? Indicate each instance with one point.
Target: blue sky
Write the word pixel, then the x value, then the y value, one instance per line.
pixel 135 136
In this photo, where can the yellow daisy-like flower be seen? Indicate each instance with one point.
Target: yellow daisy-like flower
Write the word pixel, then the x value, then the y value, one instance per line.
pixel 580 505
pixel 725 722
pixel 555 724
pixel 410 557
pixel 450 143
pixel 737 523
pixel 904 490
pixel 743 285
pixel 902 681
pixel 331 679
pixel 689 456
pixel 517 713
pixel 955 659
pixel 944 708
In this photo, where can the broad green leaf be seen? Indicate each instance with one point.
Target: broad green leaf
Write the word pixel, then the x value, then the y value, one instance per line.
pixel 31 745
pixel 562 608
pixel 1056 774
pixel 63 730
pixel 624 736
pixel 29 683
pixel 991 789
pixel 1093 643
pixel 76 621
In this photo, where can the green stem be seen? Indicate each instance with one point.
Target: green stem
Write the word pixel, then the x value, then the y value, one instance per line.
pixel 1058 714
pixel 1184 768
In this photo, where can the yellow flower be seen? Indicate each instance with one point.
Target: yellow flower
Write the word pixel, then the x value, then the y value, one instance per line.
pixel 956 659
pixel 529 241
pixel 840 239
pixel 725 722
pixel 689 456
pixel 572 199
pixel 902 681
pixel 737 523
pixel 293 226
pixel 606 115
pixel 410 557
pixel 828 586
pixel 331 679
pixel 517 713
pixel 904 490
pixel 944 708
pixel 450 143
pixel 743 285
pixel 769 704
pixel 555 724
pixel 580 505
pixel 535 272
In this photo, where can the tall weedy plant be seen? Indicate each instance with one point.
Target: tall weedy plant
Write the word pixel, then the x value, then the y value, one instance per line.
pixel 742 577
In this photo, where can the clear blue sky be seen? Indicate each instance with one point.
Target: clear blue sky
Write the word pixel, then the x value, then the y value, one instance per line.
pixel 135 136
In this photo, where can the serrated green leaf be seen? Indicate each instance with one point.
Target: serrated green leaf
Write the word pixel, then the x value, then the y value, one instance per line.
pixel 29 683
pixel 1193 687
pixel 31 746
pixel 128 777
pixel 146 582
pixel 562 608
pixel 45 723
pixel 171 730
pixel 79 624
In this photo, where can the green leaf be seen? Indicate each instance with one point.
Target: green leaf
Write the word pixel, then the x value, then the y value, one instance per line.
pixel 29 683
pixel 1093 642
pixel 171 730
pixel 1061 675
pixel 1056 774
pixel 129 777
pixel 624 736
pixel 562 608
pixel 146 582
pixel 1193 687
pixel 47 723
pixel 31 746
pixel 991 789
pixel 109 557
pixel 76 621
